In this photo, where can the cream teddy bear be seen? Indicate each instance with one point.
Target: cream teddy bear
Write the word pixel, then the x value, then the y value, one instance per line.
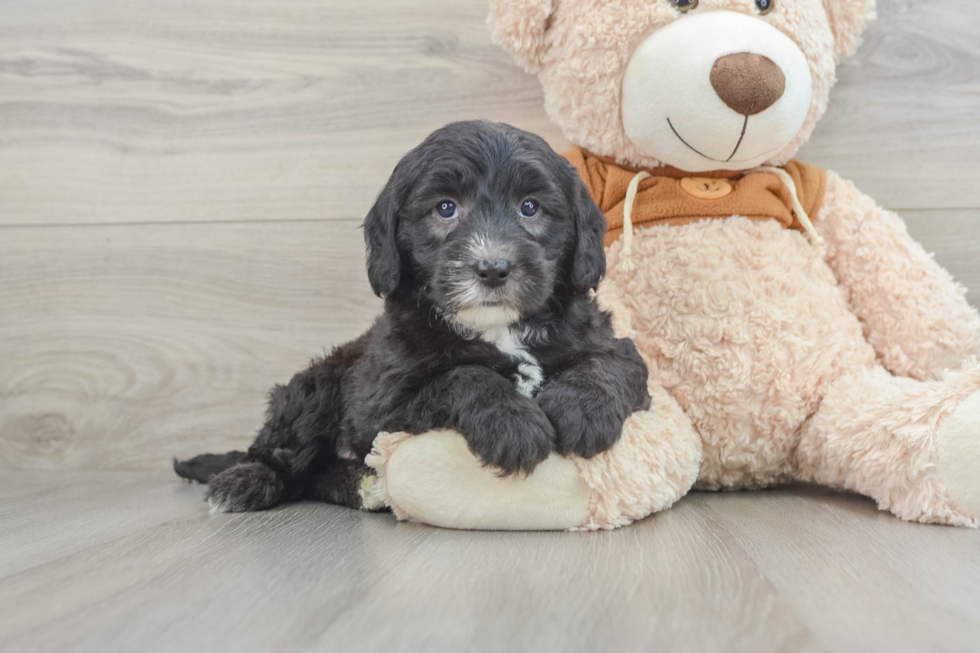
pixel 793 329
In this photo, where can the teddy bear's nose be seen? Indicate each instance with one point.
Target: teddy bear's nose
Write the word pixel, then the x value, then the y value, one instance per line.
pixel 748 83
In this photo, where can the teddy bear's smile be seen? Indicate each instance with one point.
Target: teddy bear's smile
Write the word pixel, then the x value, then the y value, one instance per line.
pixel 731 159
pixel 735 151
pixel 694 114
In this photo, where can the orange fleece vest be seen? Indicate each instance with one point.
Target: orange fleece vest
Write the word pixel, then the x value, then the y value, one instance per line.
pixel 673 197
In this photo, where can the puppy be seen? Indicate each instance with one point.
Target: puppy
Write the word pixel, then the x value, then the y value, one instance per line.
pixel 486 246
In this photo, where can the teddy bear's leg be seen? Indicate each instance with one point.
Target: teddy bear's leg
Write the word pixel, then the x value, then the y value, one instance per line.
pixel 655 463
pixel 434 478
pixel 914 447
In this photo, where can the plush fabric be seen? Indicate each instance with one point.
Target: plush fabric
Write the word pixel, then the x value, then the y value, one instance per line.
pixel 436 476
pixel 913 313
pixel 745 329
pixel 879 435
pixel 521 24
pixel 956 457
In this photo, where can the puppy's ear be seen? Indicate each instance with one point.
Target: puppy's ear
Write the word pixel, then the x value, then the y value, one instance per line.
pixel 519 27
pixel 380 235
pixel 589 262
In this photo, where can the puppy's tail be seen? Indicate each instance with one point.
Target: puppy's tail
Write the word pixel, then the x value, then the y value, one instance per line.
pixel 202 468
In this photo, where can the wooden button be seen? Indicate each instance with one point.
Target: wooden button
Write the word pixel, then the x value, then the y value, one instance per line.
pixel 704 188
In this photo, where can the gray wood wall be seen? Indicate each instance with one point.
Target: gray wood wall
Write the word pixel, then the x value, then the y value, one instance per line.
pixel 181 185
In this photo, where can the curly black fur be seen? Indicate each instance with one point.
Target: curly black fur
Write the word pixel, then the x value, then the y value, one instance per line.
pixel 521 366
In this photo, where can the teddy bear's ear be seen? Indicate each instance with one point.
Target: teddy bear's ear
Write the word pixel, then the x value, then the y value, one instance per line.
pixel 848 18
pixel 519 27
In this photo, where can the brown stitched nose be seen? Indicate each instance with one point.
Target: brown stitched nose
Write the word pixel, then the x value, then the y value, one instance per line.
pixel 748 83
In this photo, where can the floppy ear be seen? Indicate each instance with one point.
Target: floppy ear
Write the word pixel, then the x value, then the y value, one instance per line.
pixel 519 26
pixel 380 229
pixel 848 18
pixel 589 263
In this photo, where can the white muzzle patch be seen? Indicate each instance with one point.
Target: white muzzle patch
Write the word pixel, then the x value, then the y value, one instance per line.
pixel 672 110
pixel 482 318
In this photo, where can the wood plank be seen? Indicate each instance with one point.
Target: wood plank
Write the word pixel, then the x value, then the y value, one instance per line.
pixel 49 516
pixel 140 111
pixel 125 345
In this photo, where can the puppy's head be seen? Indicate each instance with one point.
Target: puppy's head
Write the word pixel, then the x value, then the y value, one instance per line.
pixel 486 221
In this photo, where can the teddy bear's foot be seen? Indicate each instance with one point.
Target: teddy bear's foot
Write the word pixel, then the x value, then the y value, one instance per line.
pixel 914 447
pixel 958 457
pixel 434 478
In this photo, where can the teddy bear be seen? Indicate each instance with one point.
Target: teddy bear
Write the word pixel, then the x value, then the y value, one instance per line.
pixel 792 328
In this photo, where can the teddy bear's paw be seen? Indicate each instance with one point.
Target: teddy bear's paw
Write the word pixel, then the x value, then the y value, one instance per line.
pixel 435 478
pixel 958 457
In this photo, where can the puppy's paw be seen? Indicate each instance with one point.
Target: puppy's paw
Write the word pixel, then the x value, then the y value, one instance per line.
pixel 586 423
pixel 514 436
pixel 243 488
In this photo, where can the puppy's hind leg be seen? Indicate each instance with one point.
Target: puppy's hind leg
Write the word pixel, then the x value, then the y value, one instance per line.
pixel 245 487
pixel 297 439
pixel 300 425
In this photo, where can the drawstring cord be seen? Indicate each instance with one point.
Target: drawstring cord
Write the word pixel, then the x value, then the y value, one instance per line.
pixel 818 243
pixel 626 263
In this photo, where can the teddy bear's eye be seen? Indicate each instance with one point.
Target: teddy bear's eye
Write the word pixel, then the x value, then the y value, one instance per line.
pixel 685 6
pixel 765 6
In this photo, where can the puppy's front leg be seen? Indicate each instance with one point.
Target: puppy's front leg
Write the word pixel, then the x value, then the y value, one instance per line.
pixel 504 428
pixel 589 401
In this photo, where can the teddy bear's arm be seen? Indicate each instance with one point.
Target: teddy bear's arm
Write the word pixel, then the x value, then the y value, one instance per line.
pixel 914 314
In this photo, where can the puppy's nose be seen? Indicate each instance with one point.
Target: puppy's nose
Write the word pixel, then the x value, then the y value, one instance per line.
pixel 748 83
pixel 493 273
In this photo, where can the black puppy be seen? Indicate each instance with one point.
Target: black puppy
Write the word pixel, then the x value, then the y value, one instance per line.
pixel 485 245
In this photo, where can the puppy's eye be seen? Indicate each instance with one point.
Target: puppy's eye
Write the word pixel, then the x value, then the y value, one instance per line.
pixel 765 6
pixel 447 210
pixel 685 6
pixel 530 209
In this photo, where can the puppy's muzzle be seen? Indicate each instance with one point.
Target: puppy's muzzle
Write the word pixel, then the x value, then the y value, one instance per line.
pixel 492 273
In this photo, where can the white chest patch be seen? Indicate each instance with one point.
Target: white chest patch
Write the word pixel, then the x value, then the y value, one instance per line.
pixel 529 375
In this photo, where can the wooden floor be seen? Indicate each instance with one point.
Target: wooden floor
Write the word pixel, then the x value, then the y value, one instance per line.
pixel 117 561
pixel 181 184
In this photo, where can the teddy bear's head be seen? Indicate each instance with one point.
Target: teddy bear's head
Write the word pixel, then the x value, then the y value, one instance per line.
pixel 696 84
